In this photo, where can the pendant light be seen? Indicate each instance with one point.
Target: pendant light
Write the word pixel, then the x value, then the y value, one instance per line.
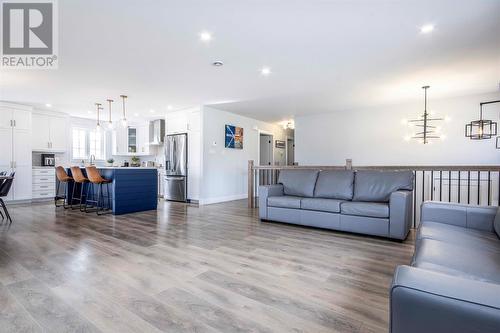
pixel 124 119
pixel 481 129
pixel 110 123
pixel 98 126
pixel 426 124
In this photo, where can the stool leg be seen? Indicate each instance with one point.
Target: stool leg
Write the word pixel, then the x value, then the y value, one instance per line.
pixel 57 193
pixel 65 199
pixel 73 195
pixel 99 191
pixel 86 197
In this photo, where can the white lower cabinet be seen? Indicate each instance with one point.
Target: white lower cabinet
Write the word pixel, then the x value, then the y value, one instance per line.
pixel 44 183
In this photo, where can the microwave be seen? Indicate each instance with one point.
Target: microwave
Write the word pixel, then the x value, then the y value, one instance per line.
pixel 48 160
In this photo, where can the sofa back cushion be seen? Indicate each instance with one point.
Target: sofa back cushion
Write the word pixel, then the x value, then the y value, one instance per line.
pixel 496 223
pixel 335 184
pixel 377 186
pixel 298 182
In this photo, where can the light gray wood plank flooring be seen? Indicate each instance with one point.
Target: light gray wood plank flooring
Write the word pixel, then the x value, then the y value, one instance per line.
pixel 183 268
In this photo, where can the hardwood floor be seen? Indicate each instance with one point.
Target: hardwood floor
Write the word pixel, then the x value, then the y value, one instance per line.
pixel 187 269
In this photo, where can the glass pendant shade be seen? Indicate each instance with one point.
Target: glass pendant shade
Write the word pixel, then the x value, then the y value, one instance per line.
pixel 98 125
pixel 110 122
pixel 124 119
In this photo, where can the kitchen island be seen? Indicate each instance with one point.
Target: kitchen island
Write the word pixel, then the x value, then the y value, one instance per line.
pixel 133 189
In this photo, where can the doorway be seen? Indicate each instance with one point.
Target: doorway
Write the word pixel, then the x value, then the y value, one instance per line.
pixel 266 149
pixel 290 151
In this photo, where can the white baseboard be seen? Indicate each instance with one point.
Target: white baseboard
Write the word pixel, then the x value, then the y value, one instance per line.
pixel 210 201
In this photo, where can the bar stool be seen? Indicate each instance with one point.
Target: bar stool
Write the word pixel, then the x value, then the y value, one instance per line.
pixel 79 178
pixel 64 179
pixel 96 179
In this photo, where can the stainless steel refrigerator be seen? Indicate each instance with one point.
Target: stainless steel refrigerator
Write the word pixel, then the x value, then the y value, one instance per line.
pixel 176 167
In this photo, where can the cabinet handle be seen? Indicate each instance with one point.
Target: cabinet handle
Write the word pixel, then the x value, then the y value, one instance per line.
pixel 15 124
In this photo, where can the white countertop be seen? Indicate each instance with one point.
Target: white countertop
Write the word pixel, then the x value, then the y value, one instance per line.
pixel 109 167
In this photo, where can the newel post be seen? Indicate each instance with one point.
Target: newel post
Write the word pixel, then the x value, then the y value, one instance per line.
pixel 250 184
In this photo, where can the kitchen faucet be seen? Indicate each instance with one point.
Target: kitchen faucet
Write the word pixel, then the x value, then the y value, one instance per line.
pixel 92 159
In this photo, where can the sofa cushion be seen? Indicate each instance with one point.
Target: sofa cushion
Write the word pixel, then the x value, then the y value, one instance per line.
pixel 284 201
pixel 298 182
pixel 371 209
pixel 320 204
pixel 496 223
pixel 458 235
pixel 335 184
pixel 378 185
pixel 458 260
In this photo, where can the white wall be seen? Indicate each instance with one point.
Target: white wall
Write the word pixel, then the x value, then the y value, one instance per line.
pixel 374 136
pixel 224 170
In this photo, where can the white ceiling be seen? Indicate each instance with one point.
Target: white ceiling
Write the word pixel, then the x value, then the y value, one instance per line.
pixel 325 56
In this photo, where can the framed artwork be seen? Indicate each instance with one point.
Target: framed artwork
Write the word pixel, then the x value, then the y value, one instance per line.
pixel 280 144
pixel 234 137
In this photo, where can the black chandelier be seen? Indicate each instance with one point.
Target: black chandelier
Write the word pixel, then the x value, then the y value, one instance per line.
pixel 425 123
pixel 483 128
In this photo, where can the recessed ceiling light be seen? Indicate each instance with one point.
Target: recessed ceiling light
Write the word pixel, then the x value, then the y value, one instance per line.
pixel 205 36
pixel 48 105
pixel 265 71
pixel 169 107
pixel 136 114
pixel 152 111
pixel 217 63
pixel 89 112
pixel 427 28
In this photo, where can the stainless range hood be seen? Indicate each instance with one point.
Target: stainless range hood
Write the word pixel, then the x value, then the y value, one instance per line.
pixel 156 132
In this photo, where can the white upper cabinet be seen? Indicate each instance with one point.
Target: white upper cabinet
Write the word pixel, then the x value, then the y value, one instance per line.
pixel 49 133
pixel 58 133
pixel 135 136
pixel 143 139
pixel 40 139
pixel 177 122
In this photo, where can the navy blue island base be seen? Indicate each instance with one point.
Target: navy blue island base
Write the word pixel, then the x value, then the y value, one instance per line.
pixel 132 190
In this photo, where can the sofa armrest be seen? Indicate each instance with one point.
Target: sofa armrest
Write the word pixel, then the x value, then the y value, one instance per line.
pixel 400 214
pixel 466 216
pixel 426 301
pixel 266 191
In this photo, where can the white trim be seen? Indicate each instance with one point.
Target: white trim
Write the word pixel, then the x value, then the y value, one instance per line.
pixel 7 105
pixel 222 199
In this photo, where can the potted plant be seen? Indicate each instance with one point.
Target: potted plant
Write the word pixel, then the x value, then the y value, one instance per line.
pixel 110 161
pixel 136 161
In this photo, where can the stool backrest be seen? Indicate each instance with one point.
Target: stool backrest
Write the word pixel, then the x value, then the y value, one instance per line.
pixel 78 175
pixel 94 175
pixel 61 174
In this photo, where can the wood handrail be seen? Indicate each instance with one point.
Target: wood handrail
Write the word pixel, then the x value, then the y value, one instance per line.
pixel 494 168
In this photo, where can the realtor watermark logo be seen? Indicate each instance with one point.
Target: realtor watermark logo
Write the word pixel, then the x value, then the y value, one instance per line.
pixel 29 34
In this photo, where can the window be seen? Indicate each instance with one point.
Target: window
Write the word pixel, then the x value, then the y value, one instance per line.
pixel 79 143
pixel 96 144
pixel 87 142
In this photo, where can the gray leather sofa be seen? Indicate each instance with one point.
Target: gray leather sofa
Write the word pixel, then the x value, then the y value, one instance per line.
pixel 376 203
pixel 453 283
